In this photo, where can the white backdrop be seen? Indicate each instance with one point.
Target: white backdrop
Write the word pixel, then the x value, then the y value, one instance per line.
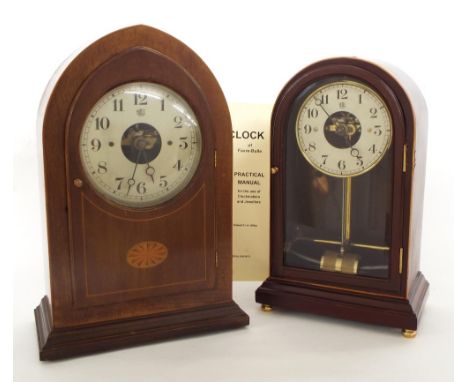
pixel 253 48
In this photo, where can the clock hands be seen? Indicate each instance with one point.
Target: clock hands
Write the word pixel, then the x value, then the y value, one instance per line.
pixel 131 182
pixel 143 139
pixel 149 169
pixel 319 102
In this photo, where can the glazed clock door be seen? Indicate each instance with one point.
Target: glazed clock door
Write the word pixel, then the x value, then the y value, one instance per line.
pixel 341 187
pixel 141 163
pixel 346 195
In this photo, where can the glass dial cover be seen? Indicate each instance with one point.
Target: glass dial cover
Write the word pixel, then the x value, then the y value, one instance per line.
pixel 140 144
pixel 343 128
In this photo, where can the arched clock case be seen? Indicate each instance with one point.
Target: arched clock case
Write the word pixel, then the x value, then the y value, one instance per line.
pixel 348 164
pixel 137 172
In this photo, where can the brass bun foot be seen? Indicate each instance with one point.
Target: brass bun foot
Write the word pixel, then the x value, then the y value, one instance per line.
pixel 408 333
pixel 266 308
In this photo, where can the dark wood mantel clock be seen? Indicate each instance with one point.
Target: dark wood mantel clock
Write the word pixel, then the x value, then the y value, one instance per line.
pixel 137 156
pixel 348 164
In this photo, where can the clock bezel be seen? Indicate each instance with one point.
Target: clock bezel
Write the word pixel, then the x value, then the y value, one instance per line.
pixel 161 198
pixel 307 94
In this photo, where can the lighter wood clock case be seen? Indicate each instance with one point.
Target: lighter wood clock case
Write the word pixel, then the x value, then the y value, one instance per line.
pixel 121 275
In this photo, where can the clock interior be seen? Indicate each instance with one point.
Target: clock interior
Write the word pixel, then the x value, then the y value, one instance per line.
pixel 332 223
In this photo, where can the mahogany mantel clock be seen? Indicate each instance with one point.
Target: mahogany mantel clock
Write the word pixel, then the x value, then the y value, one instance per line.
pixel 348 157
pixel 137 170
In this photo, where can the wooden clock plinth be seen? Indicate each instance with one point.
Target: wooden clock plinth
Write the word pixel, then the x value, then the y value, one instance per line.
pixel 79 340
pixel 391 311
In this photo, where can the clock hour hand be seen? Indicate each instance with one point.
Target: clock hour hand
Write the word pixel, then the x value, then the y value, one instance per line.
pixel 150 172
pixel 149 169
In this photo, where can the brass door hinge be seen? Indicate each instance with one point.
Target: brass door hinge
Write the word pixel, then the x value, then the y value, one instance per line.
pixel 405 149
pixel 216 259
pixel 400 269
pixel 215 158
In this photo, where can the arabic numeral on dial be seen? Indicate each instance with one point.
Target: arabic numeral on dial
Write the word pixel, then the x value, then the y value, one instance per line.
pixel 141 188
pixel 378 130
pixel 372 149
pixel 119 182
pixel 373 112
pixel 312 146
pixel 323 100
pixel 118 104
pixel 102 167
pixel 162 181
pixel 178 165
pixel 342 94
pixel 162 105
pixel 324 157
pixel 140 100
pixel 102 123
pixel 95 144
pixel 312 113
pixel 307 129
pixel 341 164
pixel 178 122
pixel 183 143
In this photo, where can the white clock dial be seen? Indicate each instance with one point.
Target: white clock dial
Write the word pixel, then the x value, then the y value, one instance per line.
pixel 140 144
pixel 343 128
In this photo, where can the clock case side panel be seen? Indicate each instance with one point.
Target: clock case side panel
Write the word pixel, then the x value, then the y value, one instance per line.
pixel 54 122
pixel 40 163
pixel 415 107
pixel 402 309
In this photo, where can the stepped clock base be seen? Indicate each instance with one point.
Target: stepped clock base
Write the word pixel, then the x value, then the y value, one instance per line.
pixel 372 309
pixel 73 341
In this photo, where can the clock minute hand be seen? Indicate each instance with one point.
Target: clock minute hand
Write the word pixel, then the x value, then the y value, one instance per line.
pixel 131 181
pixel 318 102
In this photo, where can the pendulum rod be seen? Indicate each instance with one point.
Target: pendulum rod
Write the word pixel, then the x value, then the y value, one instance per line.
pixel 346 214
pixel 346 224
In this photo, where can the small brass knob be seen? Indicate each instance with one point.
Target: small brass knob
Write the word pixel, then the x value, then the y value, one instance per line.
pixel 274 170
pixel 78 182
